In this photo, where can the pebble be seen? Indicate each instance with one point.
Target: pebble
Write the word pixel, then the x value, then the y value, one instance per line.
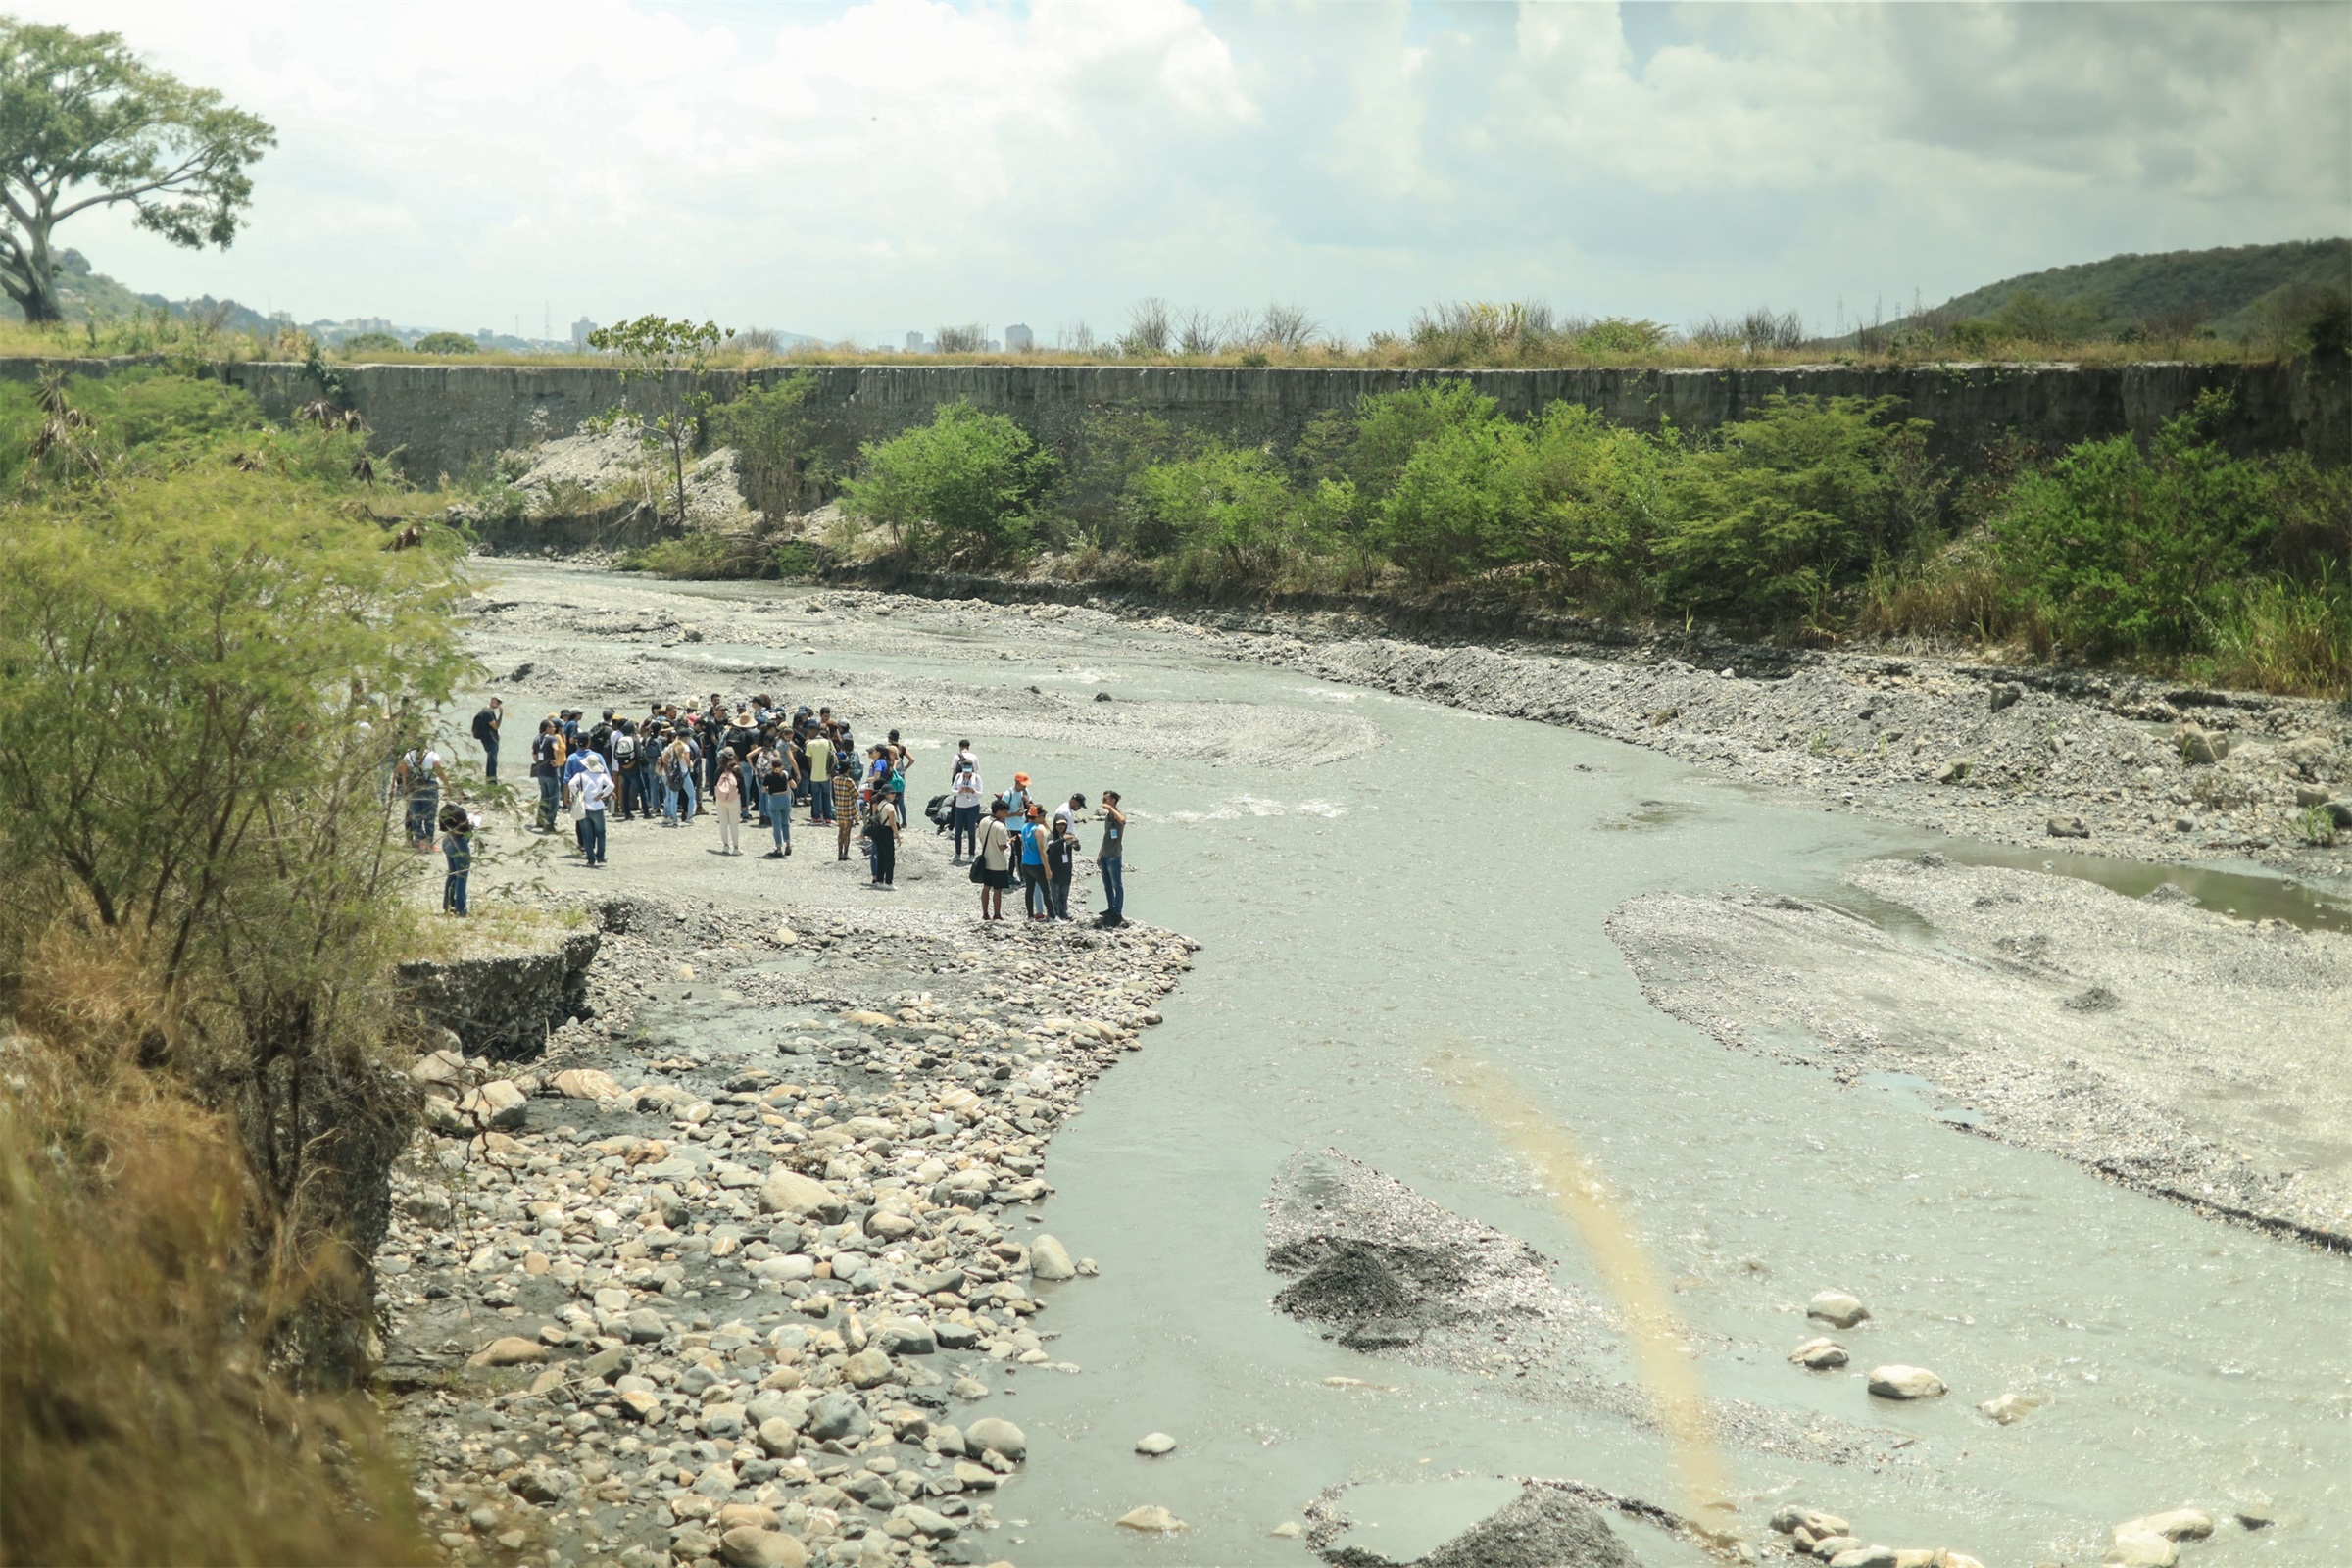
pixel 1896 1381
pixel 1154 1444
pixel 749 1548
pixel 1151 1518
pixel 1838 1310
pixel 1287 1530
pixel 509 1350
pixel 2176 1524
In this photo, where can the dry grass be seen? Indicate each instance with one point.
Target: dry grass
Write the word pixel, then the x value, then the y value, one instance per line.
pixel 141 1421
pixel 1382 352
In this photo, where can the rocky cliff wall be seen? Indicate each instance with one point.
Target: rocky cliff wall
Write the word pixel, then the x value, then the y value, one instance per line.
pixel 449 419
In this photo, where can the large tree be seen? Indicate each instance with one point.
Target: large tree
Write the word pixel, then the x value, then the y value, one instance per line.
pixel 84 123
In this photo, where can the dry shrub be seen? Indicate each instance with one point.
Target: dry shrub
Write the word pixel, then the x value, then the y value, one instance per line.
pixel 139 1298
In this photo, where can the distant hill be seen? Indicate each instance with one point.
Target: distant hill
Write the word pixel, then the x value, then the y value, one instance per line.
pixel 2124 289
pixel 92 296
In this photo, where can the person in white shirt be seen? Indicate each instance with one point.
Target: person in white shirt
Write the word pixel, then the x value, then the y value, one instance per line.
pixel 592 790
pixel 419 773
pixel 963 813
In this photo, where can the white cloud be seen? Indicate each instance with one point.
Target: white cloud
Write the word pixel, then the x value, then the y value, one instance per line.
pixel 889 164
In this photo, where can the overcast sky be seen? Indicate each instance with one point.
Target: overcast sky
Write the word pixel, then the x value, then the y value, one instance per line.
pixel 864 169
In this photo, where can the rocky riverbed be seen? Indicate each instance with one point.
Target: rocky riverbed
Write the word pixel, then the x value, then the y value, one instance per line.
pixel 758 1295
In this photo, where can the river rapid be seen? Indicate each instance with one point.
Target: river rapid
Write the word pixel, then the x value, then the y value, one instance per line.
pixel 1425 887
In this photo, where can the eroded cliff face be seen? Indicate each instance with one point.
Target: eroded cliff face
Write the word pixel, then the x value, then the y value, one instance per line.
pixel 446 419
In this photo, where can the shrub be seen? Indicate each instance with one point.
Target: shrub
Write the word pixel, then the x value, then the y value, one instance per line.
pixel 1781 510
pixel 373 343
pixel 2136 552
pixel 958 490
pixel 1092 496
pixel 1232 514
pixel 1459 505
pixel 775 444
pixel 447 343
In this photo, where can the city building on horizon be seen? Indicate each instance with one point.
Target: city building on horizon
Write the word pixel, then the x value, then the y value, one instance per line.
pixel 1019 339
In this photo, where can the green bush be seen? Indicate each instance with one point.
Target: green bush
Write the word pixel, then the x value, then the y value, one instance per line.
pixel 372 343
pixel 1236 520
pixel 447 343
pixel 1781 511
pixel 1092 499
pixel 2133 551
pixel 960 490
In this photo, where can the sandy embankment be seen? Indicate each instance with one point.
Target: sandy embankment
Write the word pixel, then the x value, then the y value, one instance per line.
pixel 2176 1050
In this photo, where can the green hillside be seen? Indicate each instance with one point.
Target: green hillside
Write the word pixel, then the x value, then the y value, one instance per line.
pixel 2121 290
pixel 92 296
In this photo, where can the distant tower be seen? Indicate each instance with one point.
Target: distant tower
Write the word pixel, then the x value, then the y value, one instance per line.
pixel 579 334
pixel 915 342
pixel 1019 339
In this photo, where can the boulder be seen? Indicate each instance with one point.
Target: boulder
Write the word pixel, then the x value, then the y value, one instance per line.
pixel 747 1547
pixel 786 1191
pixel 1899 1382
pixel 2141 1549
pixel 838 1414
pixel 1836 1308
pixel 2069 827
pixel 870 1368
pixel 511 1351
pixel 1152 1445
pixel 995 1432
pixel 1049 1259
pixel 1151 1519
pixel 586 1083
pixel 497 1105
pixel 1819 1354
pixel 2176 1524
pixel 2008 1407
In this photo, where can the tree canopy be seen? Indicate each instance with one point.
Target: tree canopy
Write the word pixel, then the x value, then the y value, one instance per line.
pixel 84 123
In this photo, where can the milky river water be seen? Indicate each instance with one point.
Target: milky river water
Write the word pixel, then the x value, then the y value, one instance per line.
pixel 1444 891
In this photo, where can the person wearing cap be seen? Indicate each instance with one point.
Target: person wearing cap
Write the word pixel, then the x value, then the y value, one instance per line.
pixel 1067 813
pixel 963 813
pixel 1016 799
pixel 1061 865
pixel 1109 860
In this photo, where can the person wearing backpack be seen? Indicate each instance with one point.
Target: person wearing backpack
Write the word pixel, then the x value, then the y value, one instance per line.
pixel 882 837
pixel 485 730
pixel 419 773
pixel 992 862
pixel 780 800
pixel 1032 839
pixel 625 767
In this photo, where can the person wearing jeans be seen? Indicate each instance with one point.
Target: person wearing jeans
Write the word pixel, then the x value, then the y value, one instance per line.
pixel 1109 858
pixel 779 807
pixel 595 793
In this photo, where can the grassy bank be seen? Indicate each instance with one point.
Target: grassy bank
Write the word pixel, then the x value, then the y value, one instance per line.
pixel 1817 521
pixel 211 649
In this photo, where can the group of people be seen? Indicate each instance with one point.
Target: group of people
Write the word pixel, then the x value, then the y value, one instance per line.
pixel 753 763
pixel 1017 839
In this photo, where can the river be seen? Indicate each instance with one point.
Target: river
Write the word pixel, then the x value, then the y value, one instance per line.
pixel 1441 889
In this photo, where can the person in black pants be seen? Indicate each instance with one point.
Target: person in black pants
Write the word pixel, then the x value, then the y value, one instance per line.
pixel 485 730
pixel 882 834
pixel 1061 862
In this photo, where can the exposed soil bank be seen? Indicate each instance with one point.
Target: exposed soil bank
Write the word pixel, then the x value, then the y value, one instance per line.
pixel 2177 1051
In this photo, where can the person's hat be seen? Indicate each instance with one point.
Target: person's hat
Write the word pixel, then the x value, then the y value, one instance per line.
pixel 1020 778
pixel 595 762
